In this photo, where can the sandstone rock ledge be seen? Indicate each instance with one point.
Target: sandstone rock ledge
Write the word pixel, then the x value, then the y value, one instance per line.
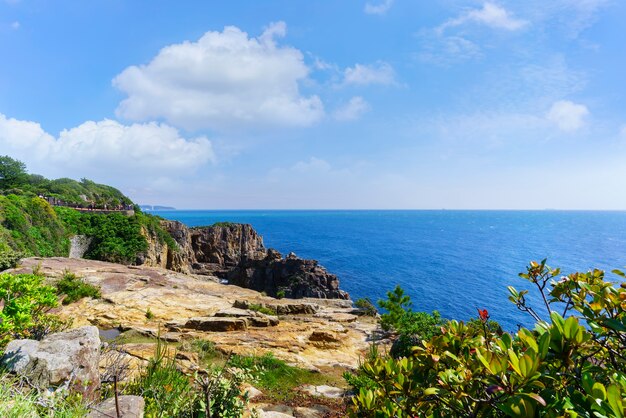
pixel 310 333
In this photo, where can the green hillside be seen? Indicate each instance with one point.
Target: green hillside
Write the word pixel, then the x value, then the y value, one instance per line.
pixel 31 226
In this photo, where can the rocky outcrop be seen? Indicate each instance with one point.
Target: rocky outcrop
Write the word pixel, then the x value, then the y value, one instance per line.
pixel 66 358
pixel 236 252
pixel 79 244
pixel 174 299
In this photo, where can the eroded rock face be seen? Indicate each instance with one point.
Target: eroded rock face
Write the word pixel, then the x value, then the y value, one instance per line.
pixel 236 252
pixel 175 298
pixel 70 357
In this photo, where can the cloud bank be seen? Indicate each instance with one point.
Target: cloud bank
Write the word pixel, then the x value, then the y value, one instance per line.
pixel 225 80
pixel 105 150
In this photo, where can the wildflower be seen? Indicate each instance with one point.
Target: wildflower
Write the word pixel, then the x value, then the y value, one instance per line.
pixel 483 314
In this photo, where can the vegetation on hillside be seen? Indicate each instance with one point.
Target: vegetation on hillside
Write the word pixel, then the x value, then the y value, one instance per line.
pixel 14 179
pixel 30 226
pixel 573 363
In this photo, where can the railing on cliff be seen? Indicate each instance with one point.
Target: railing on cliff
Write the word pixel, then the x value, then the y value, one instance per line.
pixel 129 210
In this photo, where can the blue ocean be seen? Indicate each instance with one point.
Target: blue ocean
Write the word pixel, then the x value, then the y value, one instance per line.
pixel 450 261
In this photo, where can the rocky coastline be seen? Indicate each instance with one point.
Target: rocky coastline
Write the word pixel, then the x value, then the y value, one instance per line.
pixel 236 253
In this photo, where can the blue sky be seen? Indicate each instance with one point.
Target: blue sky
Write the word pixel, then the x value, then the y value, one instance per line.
pixel 322 104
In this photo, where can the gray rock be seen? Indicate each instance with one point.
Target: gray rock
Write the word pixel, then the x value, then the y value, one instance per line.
pixel 71 357
pixel 274 414
pixel 130 407
pixel 216 324
pixel 316 411
pixel 324 391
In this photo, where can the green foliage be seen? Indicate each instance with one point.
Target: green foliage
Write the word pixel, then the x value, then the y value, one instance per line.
pixel 412 328
pixel 397 304
pixel 18 400
pixel 25 300
pixel 15 180
pixel 166 390
pixel 153 226
pixel 274 377
pixel 8 257
pixel 280 294
pixel 149 314
pixel 29 225
pixel 567 366
pixel 366 305
pixel 262 309
pixel 170 393
pixel 74 288
pixel 12 172
pixel 115 237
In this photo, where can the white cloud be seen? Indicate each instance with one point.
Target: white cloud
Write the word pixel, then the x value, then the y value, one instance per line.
pixel 567 115
pixel 353 110
pixel 225 80
pixel 15 25
pixel 448 50
pixel 379 73
pixel 490 15
pixel 378 8
pixel 105 150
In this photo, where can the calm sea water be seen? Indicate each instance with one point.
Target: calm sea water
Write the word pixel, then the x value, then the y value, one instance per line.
pixel 451 261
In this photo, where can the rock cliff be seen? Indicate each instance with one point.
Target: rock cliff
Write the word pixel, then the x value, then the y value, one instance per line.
pixel 236 252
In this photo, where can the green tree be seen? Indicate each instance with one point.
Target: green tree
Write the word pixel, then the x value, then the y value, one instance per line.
pixel 25 300
pixel 12 173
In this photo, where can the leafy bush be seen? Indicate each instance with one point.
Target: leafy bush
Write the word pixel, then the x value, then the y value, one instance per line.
pixel 262 309
pixel 572 364
pixel 168 392
pixel 74 288
pixel 366 305
pixel 18 400
pixel 396 305
pixel 9 258
pixel 149 314
pixel 29 225
pixel 25 301
pixel 115 237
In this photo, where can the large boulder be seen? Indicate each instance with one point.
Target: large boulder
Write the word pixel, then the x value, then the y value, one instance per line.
pixel 64 358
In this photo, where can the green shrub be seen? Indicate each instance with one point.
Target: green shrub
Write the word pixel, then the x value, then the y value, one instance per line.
pixel 166 391
pixel 396 305
pixel 9 258
pixel 571 364
pixel 25 301
pixel 30 226
pixel 75 288
pixel 170 393
pixel 149 314
pixel 262 309
pixel 18 400
pixel 366 305
pixel 280 294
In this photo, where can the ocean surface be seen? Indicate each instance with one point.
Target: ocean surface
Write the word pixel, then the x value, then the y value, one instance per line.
pixel 450 261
